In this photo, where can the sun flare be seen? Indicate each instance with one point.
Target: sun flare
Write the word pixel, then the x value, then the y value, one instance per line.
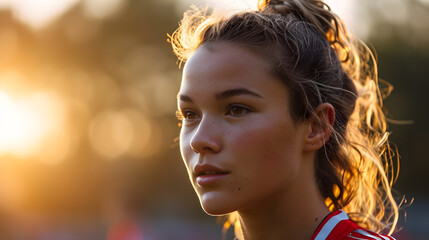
pixel 24 122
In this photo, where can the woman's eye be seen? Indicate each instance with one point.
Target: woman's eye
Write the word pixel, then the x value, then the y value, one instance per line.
pixel 190 115
pixel 237 110
pixel 187 115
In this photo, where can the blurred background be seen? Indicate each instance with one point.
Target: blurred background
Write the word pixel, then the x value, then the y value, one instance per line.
pixel 88 135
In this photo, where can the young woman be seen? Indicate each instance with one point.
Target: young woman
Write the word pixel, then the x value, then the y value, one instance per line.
pixel 282 126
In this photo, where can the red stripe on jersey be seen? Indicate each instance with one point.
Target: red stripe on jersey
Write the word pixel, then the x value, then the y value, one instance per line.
pixel 342 230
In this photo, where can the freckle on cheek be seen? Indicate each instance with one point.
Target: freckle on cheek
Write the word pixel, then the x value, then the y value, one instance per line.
pixel 239 189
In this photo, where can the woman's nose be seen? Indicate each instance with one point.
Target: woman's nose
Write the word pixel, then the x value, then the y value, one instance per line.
pixel 206 138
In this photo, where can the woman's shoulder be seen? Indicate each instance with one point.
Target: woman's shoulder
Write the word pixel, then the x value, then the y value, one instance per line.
pixel 338 226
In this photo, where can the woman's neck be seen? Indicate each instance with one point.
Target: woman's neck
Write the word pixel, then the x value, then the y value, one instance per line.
pixel 293 213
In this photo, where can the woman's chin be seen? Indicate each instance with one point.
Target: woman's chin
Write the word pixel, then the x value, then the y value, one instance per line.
pixel 215 211
pixel 215 206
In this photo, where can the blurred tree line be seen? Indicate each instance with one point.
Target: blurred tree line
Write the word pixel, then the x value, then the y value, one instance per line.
pixel 121 67
pixel 403 57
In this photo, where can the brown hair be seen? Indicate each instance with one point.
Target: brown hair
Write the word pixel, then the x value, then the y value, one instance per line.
pixel 312 53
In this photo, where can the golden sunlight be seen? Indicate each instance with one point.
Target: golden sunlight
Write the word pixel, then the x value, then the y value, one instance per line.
pixel 26 121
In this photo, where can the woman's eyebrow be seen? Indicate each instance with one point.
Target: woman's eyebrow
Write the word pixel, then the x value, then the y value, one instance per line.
pixel 225 94
pixel 184 98
pixel 235 92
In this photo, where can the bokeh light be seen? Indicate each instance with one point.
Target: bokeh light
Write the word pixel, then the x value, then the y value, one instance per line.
pixel 114 133
pixel 38 13
pixel 102 8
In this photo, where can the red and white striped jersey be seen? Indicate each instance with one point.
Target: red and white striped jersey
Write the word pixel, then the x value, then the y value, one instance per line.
pixel 338 226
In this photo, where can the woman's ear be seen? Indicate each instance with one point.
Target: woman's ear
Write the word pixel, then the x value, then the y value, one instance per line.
pixel 320 127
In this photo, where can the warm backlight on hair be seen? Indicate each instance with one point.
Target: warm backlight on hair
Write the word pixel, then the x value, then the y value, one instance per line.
pixel 26 121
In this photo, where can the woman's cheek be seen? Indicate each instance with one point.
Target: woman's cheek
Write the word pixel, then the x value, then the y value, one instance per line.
pixel 252 138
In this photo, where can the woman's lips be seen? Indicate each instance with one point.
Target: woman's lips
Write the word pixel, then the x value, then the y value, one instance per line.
pixel 208 174
pixel 209 179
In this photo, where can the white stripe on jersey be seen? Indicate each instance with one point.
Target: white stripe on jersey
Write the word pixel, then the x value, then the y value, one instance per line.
pixel 370 235
pixel 366 234
pixel 330 224
pixel 356 238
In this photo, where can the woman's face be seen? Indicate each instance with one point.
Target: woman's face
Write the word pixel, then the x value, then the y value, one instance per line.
pixel 238 141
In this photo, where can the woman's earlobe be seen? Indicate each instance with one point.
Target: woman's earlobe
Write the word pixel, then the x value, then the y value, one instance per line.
pixel 321 127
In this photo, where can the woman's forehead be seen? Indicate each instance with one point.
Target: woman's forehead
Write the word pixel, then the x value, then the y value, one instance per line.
pixel 219 60
pixel 226 69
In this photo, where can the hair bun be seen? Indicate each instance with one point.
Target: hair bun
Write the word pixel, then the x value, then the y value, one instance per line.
pixel 282 6
pixel 317 13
